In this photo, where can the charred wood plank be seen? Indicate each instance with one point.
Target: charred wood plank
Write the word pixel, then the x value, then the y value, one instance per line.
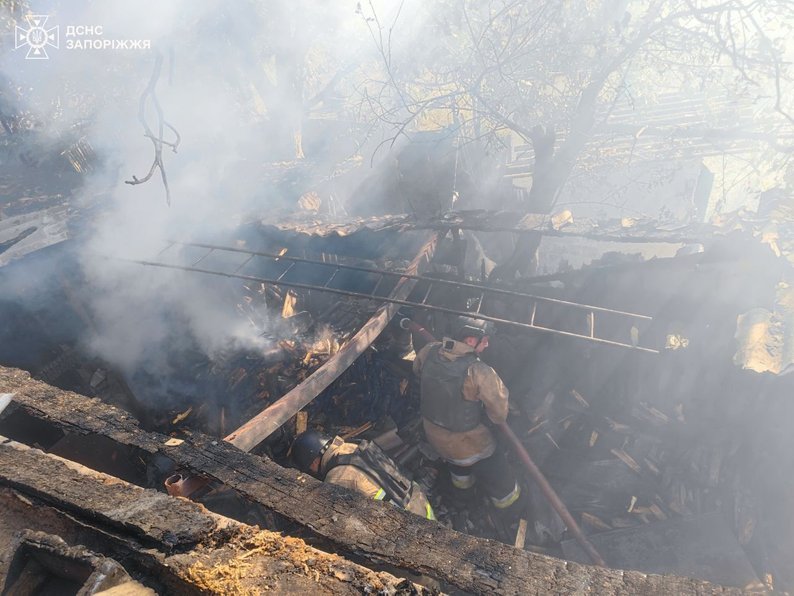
pixel 141 514
pixel 135 526
pixel 261 426
pixel 359 525
pixel 39 557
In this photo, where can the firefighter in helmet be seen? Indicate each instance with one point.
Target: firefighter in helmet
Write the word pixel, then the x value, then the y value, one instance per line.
pixel 362 467
pixel 459 394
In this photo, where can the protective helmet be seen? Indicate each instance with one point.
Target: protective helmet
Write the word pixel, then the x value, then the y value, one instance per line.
pixel 308 446
pixel 465 327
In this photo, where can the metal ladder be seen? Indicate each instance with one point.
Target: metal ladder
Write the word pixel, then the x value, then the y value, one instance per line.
pixel 290 270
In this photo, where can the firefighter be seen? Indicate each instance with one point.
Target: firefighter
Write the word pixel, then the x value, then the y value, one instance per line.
pixel 362 467
pixel 459 394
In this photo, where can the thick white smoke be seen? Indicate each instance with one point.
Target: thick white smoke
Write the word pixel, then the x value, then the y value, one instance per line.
pixel 213 90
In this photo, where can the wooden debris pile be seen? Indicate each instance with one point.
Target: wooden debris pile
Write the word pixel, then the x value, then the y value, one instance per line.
pixel 625 469
pixel 373 530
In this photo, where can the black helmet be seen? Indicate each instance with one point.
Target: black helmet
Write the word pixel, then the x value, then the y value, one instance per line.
pixel 465 327
pixel 308 446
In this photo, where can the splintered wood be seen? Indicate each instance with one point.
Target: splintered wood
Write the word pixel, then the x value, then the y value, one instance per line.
pixel 521 534
pixel 290 300
pixel 636 468
pixel 626 459
pixel 301 422
pixel 595 522
pixel 253 562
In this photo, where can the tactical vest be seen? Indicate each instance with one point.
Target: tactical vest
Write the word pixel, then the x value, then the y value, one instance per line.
pixel 370 459
pixel 442 400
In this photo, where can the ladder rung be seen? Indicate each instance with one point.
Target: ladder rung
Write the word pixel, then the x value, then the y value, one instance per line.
pixel 167 246
pixel 534 310
pixel 479 303
pixel 244 263
pixel 591 323
pixel 377 285
pixel 283 273
pixel 427 294
pixel 330 279
pixel 201 258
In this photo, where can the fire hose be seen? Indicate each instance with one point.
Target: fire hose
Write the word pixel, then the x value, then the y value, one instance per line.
pixel 532 469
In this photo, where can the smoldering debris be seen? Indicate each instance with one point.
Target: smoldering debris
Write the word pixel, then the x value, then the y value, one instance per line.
pixel 620 454
pixel 292 121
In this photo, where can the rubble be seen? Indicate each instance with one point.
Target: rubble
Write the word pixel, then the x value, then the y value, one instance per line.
pixel 349 186
pixel 625 464
pixel 380 533
pixel 621 230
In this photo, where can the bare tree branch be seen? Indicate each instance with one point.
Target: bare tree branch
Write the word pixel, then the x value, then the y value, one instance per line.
pixel 157 140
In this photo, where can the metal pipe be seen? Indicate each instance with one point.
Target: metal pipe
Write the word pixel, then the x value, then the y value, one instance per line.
pixel 180 485
pixel 534 471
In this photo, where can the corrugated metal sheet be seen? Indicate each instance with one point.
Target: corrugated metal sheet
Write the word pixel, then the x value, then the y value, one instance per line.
pixel 24 234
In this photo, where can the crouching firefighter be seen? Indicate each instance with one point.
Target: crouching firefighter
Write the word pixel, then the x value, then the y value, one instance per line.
pixel 362 467
pixel 457 392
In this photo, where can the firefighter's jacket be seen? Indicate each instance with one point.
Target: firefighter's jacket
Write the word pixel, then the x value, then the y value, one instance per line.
pixel 356 479
pixel 480 383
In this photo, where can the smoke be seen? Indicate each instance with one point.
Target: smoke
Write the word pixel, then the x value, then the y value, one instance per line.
pixel 220 88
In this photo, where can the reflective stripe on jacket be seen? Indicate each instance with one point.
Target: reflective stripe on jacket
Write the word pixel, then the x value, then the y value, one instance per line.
pixel 357 480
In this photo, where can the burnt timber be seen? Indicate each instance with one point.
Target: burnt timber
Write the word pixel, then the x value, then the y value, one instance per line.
pixel 266 422
pixel 357 525
pixel 176 544
pixel 634 230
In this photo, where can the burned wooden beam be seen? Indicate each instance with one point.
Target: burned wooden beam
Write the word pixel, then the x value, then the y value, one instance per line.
pixel 40 559
pixel 368 528
pixel 71 488
pixel 261 426
pixel 618 230
pixel 178 545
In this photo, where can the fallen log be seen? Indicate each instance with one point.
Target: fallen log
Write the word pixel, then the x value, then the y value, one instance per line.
pixel 358 525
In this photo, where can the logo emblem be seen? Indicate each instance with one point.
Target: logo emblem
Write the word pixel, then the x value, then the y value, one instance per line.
pixel 37 37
